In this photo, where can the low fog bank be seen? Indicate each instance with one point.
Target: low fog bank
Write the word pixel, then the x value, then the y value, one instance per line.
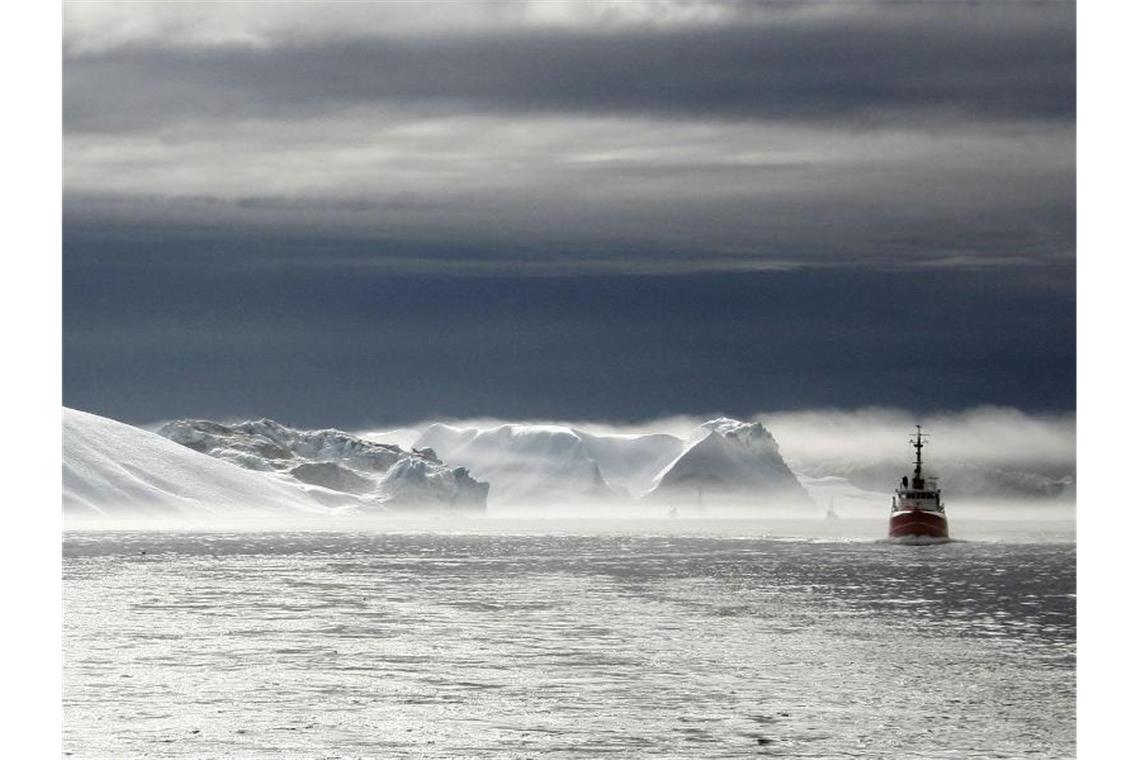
pixel 1050 525
pixel 994 436
pixel 985 455
pixel 989 459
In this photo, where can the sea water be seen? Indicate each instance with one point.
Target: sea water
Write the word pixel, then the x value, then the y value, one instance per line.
pixel 668 639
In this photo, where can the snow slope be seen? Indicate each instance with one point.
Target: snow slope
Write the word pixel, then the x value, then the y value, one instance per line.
pixel 730 463
pixel 110 468
pixel 378 474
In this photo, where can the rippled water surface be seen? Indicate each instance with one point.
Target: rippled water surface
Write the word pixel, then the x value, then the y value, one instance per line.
pixel 347 645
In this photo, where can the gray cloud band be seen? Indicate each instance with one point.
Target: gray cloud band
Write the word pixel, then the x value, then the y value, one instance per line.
pixel 884 134
pixel 989 64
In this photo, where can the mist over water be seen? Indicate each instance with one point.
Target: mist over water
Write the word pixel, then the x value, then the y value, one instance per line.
pixel 974 522
pixel 503 636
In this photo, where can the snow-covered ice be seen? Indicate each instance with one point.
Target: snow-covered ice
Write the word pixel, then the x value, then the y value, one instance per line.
pixel 110 468
pixel 380 474
pixel 730 462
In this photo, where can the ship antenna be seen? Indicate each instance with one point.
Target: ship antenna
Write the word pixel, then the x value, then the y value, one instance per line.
pixel 916 441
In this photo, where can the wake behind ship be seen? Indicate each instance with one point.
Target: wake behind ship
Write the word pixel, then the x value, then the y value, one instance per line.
pixel 917 512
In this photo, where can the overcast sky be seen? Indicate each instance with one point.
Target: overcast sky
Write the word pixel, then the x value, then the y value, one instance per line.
pixel 375 212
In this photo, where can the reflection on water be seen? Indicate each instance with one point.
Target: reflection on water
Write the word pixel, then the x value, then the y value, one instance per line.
pixel 353 645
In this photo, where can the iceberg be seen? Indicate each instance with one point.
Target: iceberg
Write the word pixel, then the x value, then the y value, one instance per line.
pixel 376 474
pixel 538 464
pixel 727 462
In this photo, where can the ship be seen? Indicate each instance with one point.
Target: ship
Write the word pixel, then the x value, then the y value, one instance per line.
pixel 917 512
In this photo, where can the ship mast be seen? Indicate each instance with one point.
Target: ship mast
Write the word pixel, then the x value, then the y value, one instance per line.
pixel 916 441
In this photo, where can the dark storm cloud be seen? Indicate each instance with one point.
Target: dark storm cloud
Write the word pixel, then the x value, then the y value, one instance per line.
pixel 329 347
pixel 344 213
pixel 928 62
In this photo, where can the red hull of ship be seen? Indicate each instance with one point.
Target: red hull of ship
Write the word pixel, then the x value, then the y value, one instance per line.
pixel 917 523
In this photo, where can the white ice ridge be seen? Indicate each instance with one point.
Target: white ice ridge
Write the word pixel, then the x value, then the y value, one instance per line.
pixel 110 468
pixel 376 474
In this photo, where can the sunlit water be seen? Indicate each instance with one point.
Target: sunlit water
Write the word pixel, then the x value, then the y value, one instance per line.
pixel 630 642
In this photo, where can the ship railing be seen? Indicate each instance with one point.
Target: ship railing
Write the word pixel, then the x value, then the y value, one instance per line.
pixel 908 504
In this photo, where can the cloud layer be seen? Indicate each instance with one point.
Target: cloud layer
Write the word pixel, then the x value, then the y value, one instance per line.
pixel 585 136
pixel 347 213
